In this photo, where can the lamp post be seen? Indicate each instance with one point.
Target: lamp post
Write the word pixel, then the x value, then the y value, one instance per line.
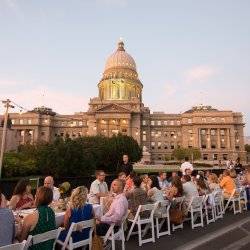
pixel 7 105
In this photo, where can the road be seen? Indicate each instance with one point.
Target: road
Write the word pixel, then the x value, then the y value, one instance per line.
pixel 230 233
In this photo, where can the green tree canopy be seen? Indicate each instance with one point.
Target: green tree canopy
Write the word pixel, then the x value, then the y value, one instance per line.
pixel 181 153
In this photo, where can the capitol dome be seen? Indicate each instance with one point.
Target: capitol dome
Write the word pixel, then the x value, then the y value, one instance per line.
pixel 120 59
pixel 120 79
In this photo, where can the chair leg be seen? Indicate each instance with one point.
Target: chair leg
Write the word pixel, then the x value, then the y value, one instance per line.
pixel 153 229
pixel 139 234
pixel 157 228
pixel 130 230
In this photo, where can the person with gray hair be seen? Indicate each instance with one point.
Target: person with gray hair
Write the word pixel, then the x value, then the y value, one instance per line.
pixel 49 182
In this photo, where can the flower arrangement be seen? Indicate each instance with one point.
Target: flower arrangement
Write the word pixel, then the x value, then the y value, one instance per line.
pixel 64 189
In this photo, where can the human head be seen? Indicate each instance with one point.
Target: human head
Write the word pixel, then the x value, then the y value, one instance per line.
pixel 44 196
pixel 200 182
pixel 233 173
pixel 78 197
pixel 174 174
pixel 163 175
pixel 154 182
pixel 176 182
pixel 49 182
pixel 212 178
pixel 22 187
pixel 144 178
pixel 186 158
pixel 132 174
pixel 186 178
pixel 117 186
pixel 226 172
pixel 125 158
pixel 137 181
pixel 100 175
pixel 188 171
pixel 122 176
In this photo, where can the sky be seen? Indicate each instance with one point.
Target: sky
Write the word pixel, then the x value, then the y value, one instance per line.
pixel 53 52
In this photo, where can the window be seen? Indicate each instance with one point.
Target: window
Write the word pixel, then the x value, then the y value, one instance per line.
pixel 159 145
pixel 189 120
pixel 172 145
pixel 13 121
pixel 45 121
pixel 224 156
pixel 215 157
pixel 29 121
pixel 80 123
pixel 165 122
pixel 159 133
pixel 237 147
pixel 190 131
pixel 159 123
pixel 144 122
pixel 178 122
pixel 222 132
pixel 213 132
pixel 42 133
pixel 152 123
pixel 152 133
pixel 203 131
pixel 205 157
pixel 171 122
pixel 213 146
pixel 172 134
pixel 152 145
pixel 124 130
pixel 144 136
pixel 203 119
pixel 166 134
pixel 165 145
pixel 223 120
pixel 213 119
pixel 203 146
pixel 21 122
pixel 62 134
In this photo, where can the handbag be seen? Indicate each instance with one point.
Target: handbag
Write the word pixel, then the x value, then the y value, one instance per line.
pixel 176 215
pixel 97 242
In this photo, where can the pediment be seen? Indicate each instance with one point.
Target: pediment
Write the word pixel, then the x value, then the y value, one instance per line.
pixel 111 108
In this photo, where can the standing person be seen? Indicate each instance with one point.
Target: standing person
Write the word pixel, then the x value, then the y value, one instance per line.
pixel 41 220
pixel 162 179
pixel 98 188
pixel 186 165
pixel 49 182
pixel 126 167
pixel 22 197
pixel 7 221
pixel 117 210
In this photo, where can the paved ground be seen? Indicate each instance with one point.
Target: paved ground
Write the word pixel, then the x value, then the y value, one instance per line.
pixel 230 233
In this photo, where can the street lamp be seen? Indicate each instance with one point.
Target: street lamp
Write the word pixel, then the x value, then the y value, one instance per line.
pixel 7 105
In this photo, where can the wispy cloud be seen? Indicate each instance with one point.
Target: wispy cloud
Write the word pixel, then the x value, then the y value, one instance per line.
pixel 113 2
pixel 61 102
pixel 169 89
pixel 200 73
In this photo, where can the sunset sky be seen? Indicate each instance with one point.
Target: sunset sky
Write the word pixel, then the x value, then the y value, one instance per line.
pixel 53 52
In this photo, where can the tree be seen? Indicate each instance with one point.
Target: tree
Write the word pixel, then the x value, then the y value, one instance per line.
pixel 192 153
pixel 247 147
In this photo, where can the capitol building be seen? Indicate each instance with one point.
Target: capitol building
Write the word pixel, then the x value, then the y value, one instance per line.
pixel 119 109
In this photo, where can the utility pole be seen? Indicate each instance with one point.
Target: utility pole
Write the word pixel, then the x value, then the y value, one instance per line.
pixel 7 105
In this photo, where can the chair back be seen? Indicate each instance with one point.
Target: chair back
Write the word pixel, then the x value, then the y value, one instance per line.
pixel 17 246
pixel 197 201
pixel 177 202
pixel 34 183
pixel 43 237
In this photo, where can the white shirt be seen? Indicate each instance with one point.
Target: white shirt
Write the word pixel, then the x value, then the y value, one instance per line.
pixel 190 190
pixel 95 188
pixel 186 165
pixel 56 194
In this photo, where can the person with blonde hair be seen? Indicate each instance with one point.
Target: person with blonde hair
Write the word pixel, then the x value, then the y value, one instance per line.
pixel 213 182
pixel 77 211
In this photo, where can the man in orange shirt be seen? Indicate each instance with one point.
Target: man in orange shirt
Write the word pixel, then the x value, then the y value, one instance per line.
pixel 227 184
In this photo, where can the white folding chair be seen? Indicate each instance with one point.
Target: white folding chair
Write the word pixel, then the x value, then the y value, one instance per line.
pixel 209 208
pixel 218 204
pixel 178 204
pixel 195 209
pixel 243 198
pixel 43 237
pixel 16 246
pixel 79 226
pixel 148 221
pixel 162 217
pixel 234 198
pixel 119 235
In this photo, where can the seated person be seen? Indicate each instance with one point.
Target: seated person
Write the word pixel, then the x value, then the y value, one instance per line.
pixel 145 182
pixel 117 210
pixel 227 184
pixel 213 182
pixel 176 188
pixel 78 211
pixel 201 185
pixel 186 165
pixel 122 176
pixel 173 174
pixel 49 182
pixel 22 197
pixel 129 186
pixel 40 221
pixel 162 179
pixel 7 221
pixel 98 188
pixel 136 197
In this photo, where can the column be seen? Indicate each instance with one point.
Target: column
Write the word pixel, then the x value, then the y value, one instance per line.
pixel 129 127
pixel 228 138
pixel 218 139
pixel 208 138
pixel 108 133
